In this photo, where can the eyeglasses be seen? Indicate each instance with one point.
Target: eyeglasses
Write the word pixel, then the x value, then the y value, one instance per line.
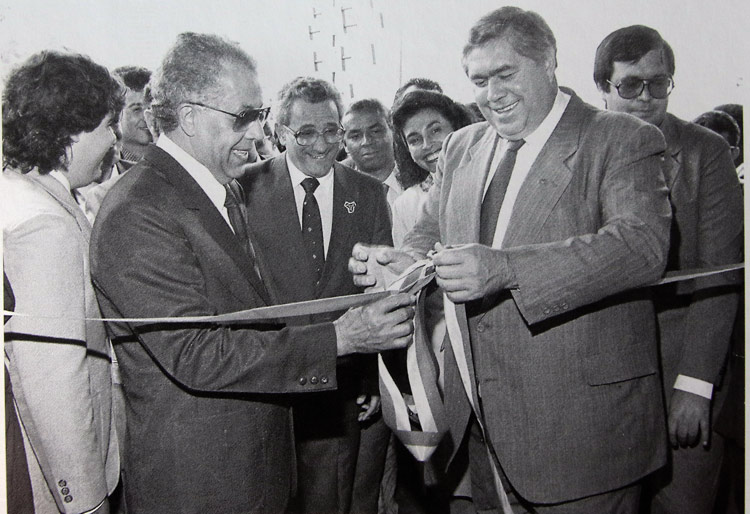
pixel 632 87
pixel 309 136
pixel 244 118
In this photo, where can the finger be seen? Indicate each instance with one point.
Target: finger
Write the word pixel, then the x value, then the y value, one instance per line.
pixel 395 301
pixel 360 252
pixel 449 256
pixel 363 280
pixel 361 399
pixel 705 432
pixel 357 266
pixel 385 255
pixel 673 434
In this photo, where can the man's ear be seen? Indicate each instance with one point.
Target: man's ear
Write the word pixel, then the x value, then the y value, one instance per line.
pixel 186 119
pixel 281 133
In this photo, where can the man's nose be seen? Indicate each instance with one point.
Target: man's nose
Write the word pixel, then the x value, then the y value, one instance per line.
pixel 645 93
pixel 496 89
pixel 255 130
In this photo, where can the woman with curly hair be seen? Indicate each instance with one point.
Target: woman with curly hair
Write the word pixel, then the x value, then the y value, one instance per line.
pixel 421 122
pixel 58 115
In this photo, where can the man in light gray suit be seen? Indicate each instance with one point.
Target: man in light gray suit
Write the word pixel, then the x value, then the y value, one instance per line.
pixel 545 219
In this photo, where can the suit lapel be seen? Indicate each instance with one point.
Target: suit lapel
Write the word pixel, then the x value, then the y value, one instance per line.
pixel 345 198
pixel 274 223
pixel 673 162
pixel 195 200
pixel 65 198
pixel 548 178
pixel 467 189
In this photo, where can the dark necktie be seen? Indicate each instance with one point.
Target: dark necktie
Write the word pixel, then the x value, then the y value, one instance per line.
pixel 312 227
pixel 493 198
pixel 237 219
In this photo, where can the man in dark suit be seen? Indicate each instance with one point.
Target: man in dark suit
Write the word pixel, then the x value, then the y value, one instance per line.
pixel 633 70
pixel 560 362
pixel 208 406
pixel 350 207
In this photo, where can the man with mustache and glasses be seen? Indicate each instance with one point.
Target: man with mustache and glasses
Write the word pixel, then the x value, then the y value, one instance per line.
pixel 544 220
pixel 633 70
pixel 208 407
pixel 306 213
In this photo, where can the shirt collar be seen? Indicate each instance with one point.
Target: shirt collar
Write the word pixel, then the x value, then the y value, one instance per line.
pixel 392 182
pixel 205 179
pixel 297 176
pixel 61 178
pixel 539 137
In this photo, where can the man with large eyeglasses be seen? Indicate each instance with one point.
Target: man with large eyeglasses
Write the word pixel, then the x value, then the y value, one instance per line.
pixel 308 211
pixel 633 70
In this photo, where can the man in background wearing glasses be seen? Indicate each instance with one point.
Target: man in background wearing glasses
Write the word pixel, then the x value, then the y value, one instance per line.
pixel 208 407
pixel 307 212
pixel 633 70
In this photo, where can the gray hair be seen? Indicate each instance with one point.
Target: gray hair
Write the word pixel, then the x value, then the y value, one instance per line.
pixel 192 70
pixel 526 30
pixel 309 89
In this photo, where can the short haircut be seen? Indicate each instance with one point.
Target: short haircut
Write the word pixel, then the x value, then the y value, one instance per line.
pixel 310 90
pixel 529 34
pixel 419 83
pixel 628 44
pixel 193 71
pixel 409 172
pixel 48 99
pixel 719 122
pixel 734 110
pixel 369 106
pixel 135 78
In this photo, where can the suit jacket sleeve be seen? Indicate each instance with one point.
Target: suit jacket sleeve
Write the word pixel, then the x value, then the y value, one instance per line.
pixel 146 263
pixel 47 357
pixel 630 247
pixel 710 316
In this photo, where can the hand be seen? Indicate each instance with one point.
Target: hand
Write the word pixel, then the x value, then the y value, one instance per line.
pixel 382 325
pixel 689 419
pixel 369 408
pixel 472 271
pixel 376 267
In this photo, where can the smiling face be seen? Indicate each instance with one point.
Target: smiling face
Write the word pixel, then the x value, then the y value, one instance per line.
pixel 644 106
pixel 369 142
pixel 513 92
pixel 133 124
pixel 215 143
pixel 87 152
pixel 424 133
pixel 316 159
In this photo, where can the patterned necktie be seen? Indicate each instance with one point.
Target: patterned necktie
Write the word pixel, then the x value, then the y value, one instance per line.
pixel 493 198
pixel 239 223
pixel 312 227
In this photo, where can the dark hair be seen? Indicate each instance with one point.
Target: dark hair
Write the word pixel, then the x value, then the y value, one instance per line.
pixel 528 33
pixel 193 70
pixel 310 90
pixel 719 122
pixel 134 77
pixel 628 44
pixel 47 100
pixel 419 83
pixel 735 111
pixel 409 171
pixel 370 106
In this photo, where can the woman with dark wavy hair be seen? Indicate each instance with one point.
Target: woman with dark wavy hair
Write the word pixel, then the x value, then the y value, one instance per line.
pixel 59 111
pixel 421 122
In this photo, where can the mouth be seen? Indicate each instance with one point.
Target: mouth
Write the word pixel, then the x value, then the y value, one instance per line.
pixel 317 157
pixel 506 109
pixel 241 154
pixel 432 157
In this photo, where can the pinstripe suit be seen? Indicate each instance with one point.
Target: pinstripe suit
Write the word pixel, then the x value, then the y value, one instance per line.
pixel 566 363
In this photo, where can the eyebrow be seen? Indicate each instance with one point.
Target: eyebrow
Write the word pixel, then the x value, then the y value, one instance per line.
pixel 490 73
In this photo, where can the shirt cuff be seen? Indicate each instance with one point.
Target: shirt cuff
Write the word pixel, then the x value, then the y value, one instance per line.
pixel 695 386
pixel 105 499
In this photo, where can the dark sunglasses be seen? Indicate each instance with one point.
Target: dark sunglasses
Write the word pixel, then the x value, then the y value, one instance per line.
pixel 632 87
pixel 244 118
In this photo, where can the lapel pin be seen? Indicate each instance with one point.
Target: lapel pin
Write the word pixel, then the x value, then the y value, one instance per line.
pixel 350 207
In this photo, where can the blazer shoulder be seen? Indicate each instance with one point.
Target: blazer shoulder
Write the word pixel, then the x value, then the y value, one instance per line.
pixel 692 137
pixel 357 179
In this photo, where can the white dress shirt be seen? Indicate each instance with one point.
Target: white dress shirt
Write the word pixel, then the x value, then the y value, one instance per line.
pixel 525 157
pixel 205 179
pixel 323 195
pixel 394 188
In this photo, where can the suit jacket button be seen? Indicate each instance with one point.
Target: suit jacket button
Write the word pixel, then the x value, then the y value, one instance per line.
pixel 62 483
pixel 68 499
pixel 64 490
pixel 546 311
pixel 313 380
pixel 302 381
pixel 480 327
pixel 324 379
pixel 564 305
